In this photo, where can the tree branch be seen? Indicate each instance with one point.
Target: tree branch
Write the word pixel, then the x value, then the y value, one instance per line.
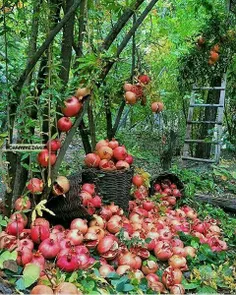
pixel 44 46
pixel 31 63
pixel 127 38
pixel 65 146
pixel 66 48
pixel 118 117
pixel 120 24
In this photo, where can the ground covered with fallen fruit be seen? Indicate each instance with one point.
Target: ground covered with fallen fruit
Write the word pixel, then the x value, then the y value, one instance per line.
pixel 161 244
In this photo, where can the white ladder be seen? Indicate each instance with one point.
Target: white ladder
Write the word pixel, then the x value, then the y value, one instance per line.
pixel 218 124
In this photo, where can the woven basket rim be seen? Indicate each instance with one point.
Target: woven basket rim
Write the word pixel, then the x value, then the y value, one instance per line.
pixel 107 172
pixel 180 184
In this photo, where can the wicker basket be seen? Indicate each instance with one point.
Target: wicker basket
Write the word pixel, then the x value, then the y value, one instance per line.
pixel 69 207
pixel 113 186
pixel 164 176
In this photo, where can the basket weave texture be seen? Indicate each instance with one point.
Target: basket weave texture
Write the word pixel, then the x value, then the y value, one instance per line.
pixel 69 207
pixel 113 186
pixel 164 176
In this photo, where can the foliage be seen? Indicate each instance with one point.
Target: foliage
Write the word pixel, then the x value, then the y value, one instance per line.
pixel 3 222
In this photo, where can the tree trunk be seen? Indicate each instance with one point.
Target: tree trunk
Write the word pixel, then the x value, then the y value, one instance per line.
pixel 66 48
pixel 203 150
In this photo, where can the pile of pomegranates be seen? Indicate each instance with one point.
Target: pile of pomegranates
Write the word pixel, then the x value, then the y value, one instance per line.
pixel 109 156
pixel 168 192
pixel 133 93
pixel 139 244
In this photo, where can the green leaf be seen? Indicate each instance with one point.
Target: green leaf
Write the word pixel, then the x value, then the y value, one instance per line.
pixel 113 275
pixel 128 287
pixel 7 255
pixel 73 277
pixel 206 290
pixel 30 274
pixel 20 285
pixel 190 286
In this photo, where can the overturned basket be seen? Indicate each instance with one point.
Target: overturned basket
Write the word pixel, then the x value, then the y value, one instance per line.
pixel 69 207
pixel 164 177
pixel 113 186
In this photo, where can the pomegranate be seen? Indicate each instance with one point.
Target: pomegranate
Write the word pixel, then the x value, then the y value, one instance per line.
pixel 89 188
pixel 96 201
pixel 144 79
pixel 40 221
pixel 176 193
pixel 68 263
pixel 44 158
pixel 104 152
pixel 26 243
pixel 41 289
pixel 76 236
pixel 105 270
pixel 85 261
pixel 177 261
pixel 97 230
pixel 148 205
pixel 67 289
pixel 79 224
pixel 86 197
pixel 189 251
pixel 14 228
pixel 149 266
pixel 113 143
pixel 92 160
pixel 137 90
pixel 171 276
pixel 81 92
pixel 22 203
pixel 38 259
pixel 214 56
pixel 177 289
pixel 49 248
pixel 24 256
pixel 157 187
pixel 160 106
pixel 122 165
pixel 129 159
pixel 39 233
pixel 66 244
pixel 127 258
pixel 64 124
pixel 72 107
pixel 105 213
pixel 130 98
pixel 152 278
pixel 100 143
pixel 165 234
pixel 54 144
pixel 155 107
pixel 179 251
pixel 122 269
pixel 91 239
pixel 114 224
pixel 163 250
pixel 107 165
pixel 35 185
pixel 108 247
pixel 20 217
pixel 128 86
pixel 61 186
pixel 137 180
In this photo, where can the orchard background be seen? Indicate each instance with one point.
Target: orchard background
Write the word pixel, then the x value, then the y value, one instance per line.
pixel 93 50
